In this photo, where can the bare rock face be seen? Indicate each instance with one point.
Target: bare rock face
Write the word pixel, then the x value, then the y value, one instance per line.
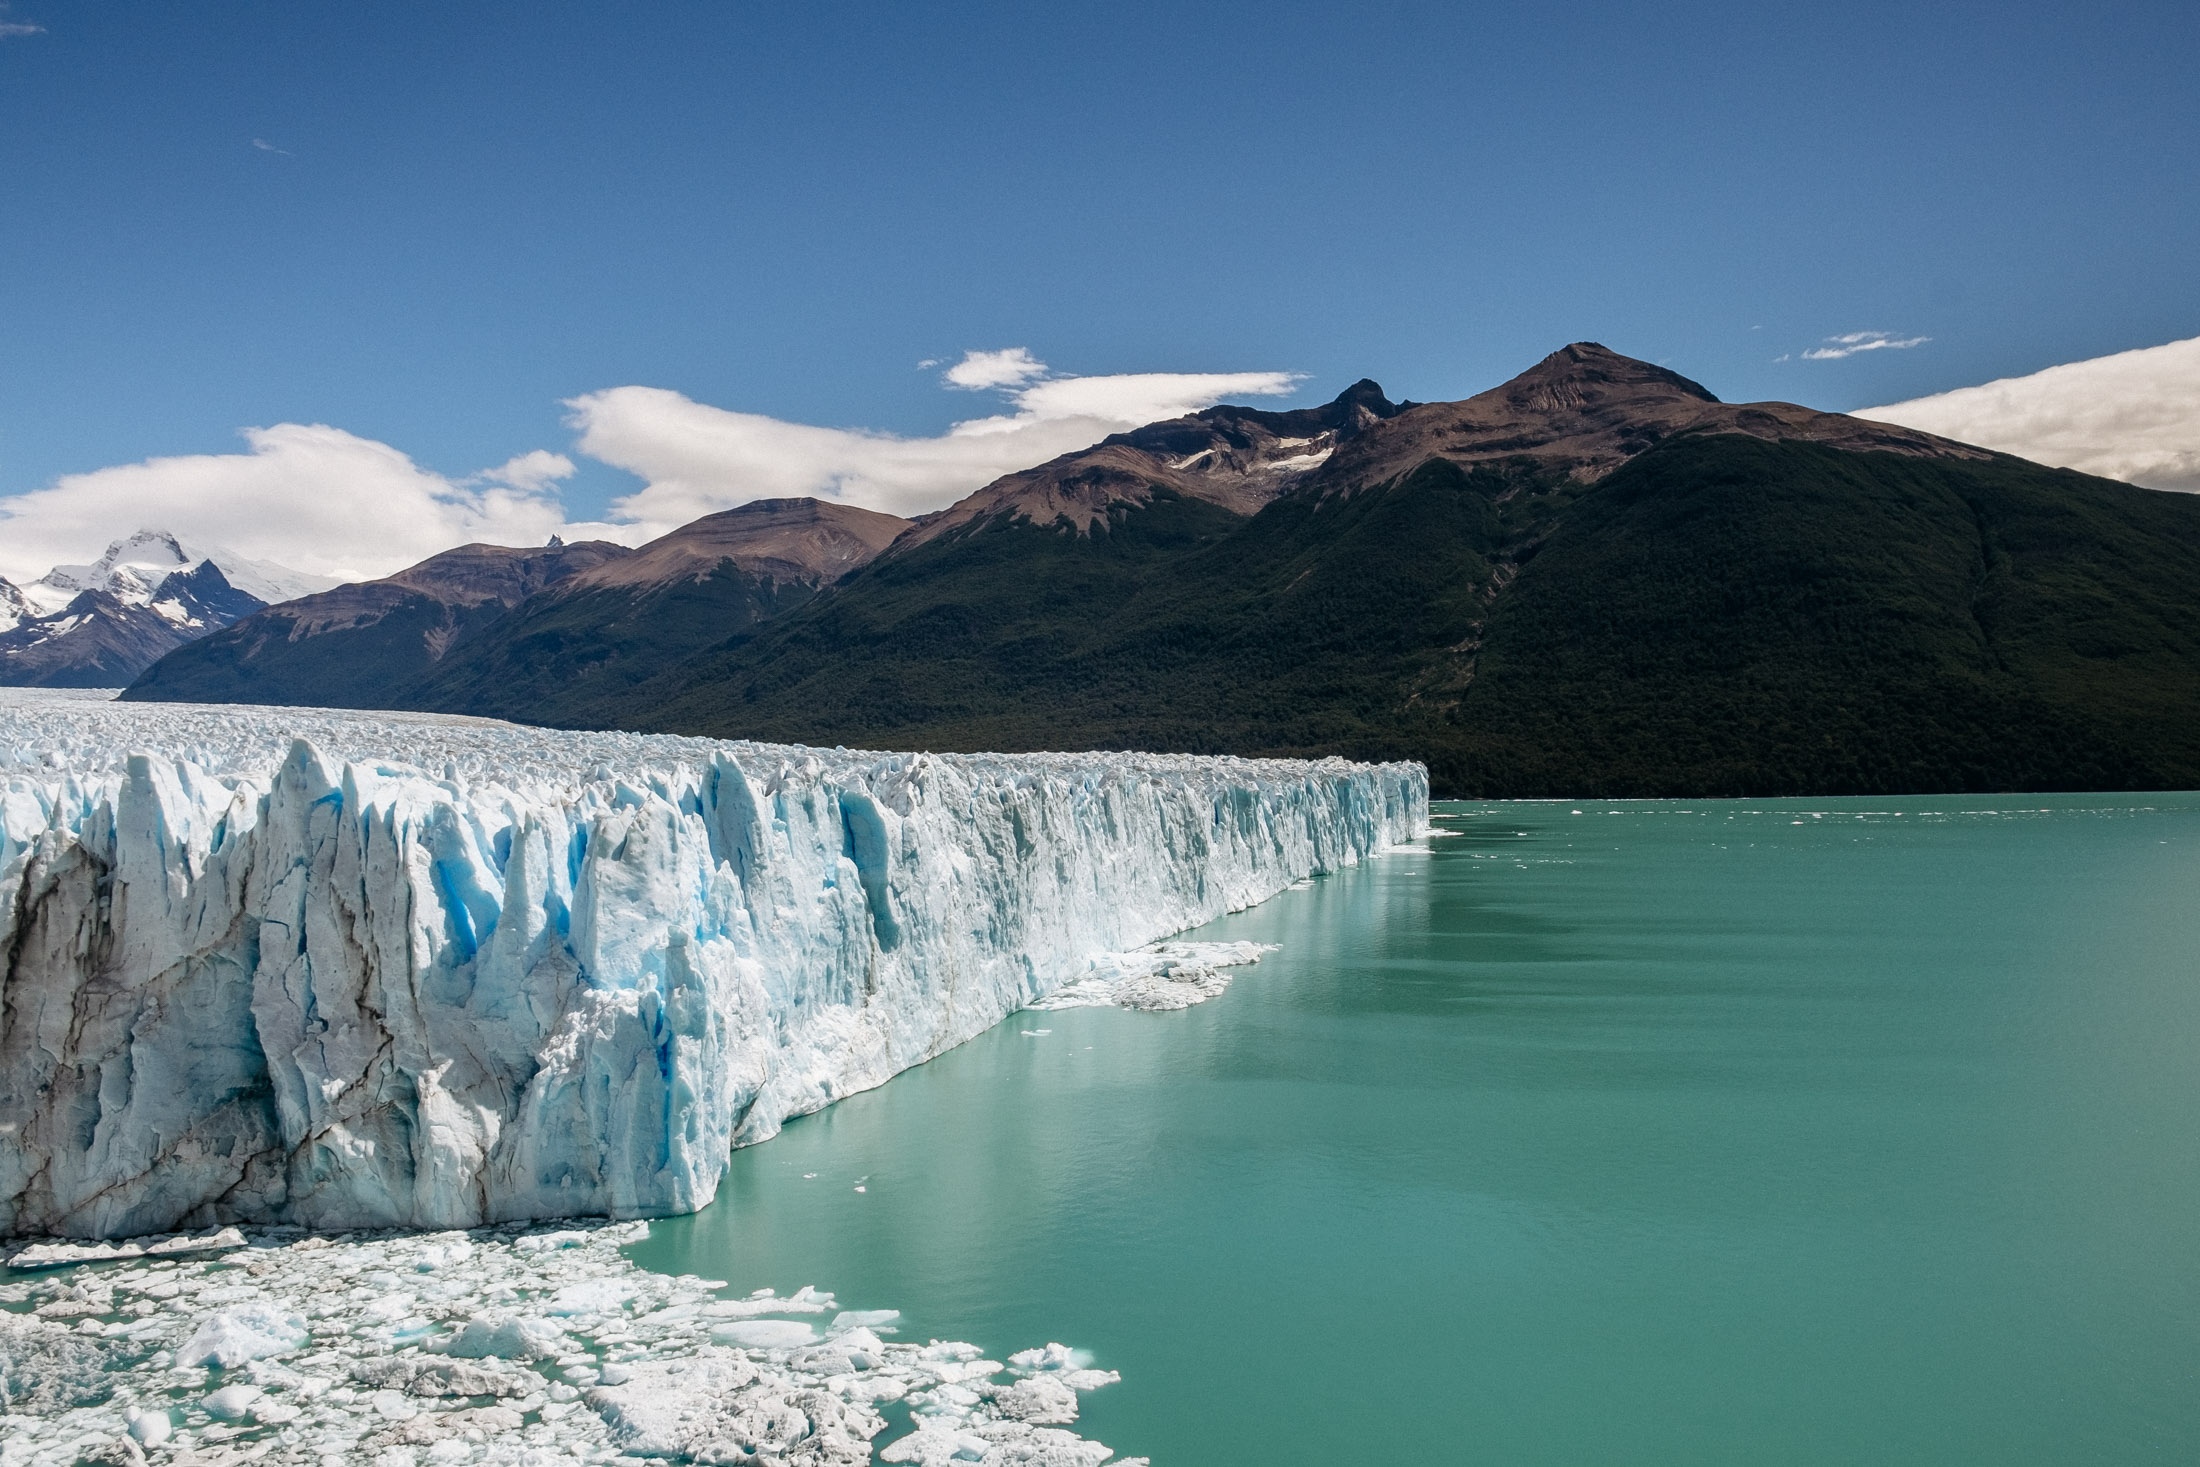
pixel 1235 457
pixel 1590 409
pixel 779 540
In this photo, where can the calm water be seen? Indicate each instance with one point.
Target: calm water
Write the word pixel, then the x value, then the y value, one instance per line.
pixel 1657 1133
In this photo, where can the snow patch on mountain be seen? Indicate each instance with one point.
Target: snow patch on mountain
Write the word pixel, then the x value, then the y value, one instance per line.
pixel 134 569
pixel 339 969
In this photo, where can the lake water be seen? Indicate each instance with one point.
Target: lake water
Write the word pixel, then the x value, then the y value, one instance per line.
pixel 1753 1132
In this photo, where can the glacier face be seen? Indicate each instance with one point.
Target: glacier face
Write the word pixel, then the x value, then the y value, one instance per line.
pixel 348 970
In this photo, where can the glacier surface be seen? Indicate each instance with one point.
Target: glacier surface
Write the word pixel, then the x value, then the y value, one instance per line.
pixel 348 970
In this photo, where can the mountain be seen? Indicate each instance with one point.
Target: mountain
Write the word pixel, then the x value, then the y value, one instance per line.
pixel 137 566
pixel 360 645
pixel 1237 459
pixel 591 640
pixel 564 621
pixel 1596 579
pixel 100 625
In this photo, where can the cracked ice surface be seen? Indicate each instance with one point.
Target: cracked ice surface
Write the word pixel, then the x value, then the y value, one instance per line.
pixel 385 970
pixel 497 1346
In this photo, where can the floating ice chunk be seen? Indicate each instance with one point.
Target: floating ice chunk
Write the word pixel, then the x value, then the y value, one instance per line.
pixel 151 1428
pixel 48 1367
pixel 590 1296
pixel 544 1242
pixel 508 1337
pixel 58 1255
pixel 232 1402
pixel 764 1334
pixel 855 1319
pixel 1157 978
pixel 719 1408
pixel 1052 1357
pixel 247 1332
pixel 1042 1400
pixel 445 1252
pixel 940 1443
pixel 805 1300
pixel 937 1444
pixel 389 1308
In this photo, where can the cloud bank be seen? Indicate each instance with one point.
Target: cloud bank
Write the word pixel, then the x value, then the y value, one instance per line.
pixel 320 500
pixel 694 458
pixel 2133 416
pixel 310 497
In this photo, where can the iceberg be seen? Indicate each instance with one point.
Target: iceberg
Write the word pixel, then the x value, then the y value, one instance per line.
pixel 341 970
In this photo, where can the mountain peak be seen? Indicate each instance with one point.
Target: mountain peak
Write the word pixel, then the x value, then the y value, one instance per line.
pixel 1591 409
pixel 1367 393
pixel 813 541
pixel 1586 372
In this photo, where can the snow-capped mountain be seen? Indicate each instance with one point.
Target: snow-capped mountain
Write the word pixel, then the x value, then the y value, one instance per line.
pixel 13 607
pixel 100 625
pixel 133 571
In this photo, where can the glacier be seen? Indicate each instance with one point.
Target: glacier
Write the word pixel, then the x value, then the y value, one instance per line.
pixel 342 970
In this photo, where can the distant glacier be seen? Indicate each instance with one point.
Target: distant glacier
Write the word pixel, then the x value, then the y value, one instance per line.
pixel 344 970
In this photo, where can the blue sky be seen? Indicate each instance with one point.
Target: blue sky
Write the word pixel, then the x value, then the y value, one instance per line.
pixel 431 225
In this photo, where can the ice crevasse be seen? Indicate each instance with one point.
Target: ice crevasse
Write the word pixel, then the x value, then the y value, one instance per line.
pixel 344 970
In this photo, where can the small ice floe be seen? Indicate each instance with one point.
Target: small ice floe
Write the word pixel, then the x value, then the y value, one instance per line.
pixel 528 1346
pixel 764 1334
pixel 1163 977
pixel 1036 1033
pixel 253 1331
pixel 871 1319
pixel 61 1255
pixel 804 1300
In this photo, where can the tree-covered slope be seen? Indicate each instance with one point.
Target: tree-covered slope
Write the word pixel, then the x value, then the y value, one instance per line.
pixel 1725 616
pixel 1721 615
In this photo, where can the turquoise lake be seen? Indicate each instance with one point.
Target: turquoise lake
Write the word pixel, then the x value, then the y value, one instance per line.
pixel 1856 1131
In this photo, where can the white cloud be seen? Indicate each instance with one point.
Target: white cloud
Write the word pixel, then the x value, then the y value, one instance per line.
pixel 1838 347
pixel 267 147
pixel 2133 416
pixel 313 498
pixel 695 458
pixel 19 28
pixel 982 369
pixel 530 473
pixel 320 500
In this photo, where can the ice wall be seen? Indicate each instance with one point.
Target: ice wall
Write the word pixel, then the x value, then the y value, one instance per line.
pixel 347 969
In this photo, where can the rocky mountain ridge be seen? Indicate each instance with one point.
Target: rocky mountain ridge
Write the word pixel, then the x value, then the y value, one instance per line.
pixel 101 624
pixel 1595 578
